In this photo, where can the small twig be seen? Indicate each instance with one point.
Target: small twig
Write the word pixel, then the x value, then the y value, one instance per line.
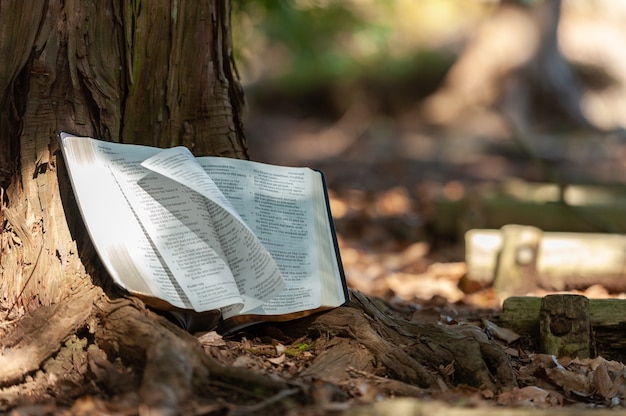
pixel 254 408
pixel 30 276
pixel 3 208
pixel 232 387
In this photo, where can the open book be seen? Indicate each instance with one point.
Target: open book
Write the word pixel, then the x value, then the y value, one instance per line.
pixel 252 240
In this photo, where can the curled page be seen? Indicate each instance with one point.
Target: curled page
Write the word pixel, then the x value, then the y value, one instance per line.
pixel 256 273
pixel 180 165
pixel 180 227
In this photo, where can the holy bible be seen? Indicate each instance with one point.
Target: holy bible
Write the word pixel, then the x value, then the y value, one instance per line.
pixel 185 233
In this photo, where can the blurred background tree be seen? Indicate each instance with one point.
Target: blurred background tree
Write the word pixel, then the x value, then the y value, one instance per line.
pixel 319 57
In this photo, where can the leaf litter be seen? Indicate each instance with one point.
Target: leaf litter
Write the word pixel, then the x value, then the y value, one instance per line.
pixel 415 284
pixel 383 210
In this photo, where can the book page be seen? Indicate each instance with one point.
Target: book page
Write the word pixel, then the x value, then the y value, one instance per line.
pixel 278 204
pixel 121 242
pixel 255 272
pixel 180 227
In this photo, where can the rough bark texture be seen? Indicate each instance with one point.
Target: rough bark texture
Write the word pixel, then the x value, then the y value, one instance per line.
pixel 158 73
pixel 100 69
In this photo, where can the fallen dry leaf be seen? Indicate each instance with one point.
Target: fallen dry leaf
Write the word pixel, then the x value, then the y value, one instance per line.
pixel 602 382
pixel 212 339
pixel 278 360
pixel 504 334
pixel 572 381
pixel 530 396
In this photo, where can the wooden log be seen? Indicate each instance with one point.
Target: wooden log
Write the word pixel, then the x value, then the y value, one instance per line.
pixel 593 208
pixel 521 314
pixel 454 218
pixel 607 319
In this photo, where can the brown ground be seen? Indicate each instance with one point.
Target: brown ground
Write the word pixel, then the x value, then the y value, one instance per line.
pixel 385 176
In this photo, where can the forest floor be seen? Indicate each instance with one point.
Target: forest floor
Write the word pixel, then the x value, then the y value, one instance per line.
pixel 385 177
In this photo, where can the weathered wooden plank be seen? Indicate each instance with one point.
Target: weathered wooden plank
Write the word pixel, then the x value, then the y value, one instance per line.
pixel 563 260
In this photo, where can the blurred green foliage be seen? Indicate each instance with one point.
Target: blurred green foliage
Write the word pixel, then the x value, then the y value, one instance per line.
pixel 313 35
pixel 298 46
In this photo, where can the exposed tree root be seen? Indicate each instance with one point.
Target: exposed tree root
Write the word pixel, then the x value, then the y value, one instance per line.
pixel 148 363
pixel 410 352
pixel 40 334
pixel 175 367
pixel 126 339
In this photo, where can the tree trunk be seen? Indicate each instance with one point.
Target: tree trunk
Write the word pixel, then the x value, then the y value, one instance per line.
pixel 157 73
pixel 152 73
pixel 512 64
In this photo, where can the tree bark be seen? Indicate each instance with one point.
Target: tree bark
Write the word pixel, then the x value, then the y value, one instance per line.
pixel 158 73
